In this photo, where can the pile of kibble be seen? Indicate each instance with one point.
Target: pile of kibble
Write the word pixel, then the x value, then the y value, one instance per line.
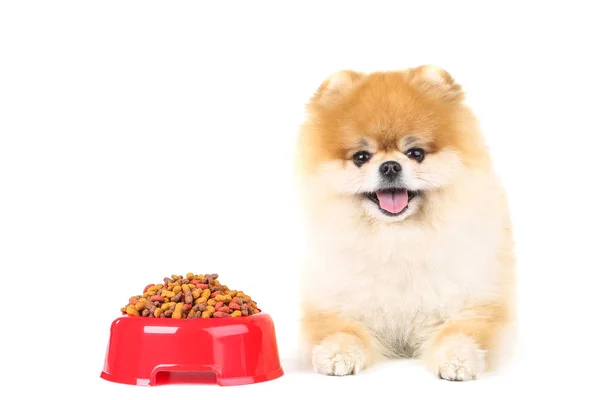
pixel 190 296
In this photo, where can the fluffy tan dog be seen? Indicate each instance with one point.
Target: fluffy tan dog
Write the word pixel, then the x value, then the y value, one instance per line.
pixel 410 243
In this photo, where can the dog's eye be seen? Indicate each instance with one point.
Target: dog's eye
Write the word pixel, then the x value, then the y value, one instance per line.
pixel 361 157
pixel 416 154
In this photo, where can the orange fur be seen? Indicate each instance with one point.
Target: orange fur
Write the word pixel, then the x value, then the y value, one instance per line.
pixel 483 323
pixel 339 116
pixel 319 325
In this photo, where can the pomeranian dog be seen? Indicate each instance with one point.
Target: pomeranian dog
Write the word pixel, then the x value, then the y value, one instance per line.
pixel 410 241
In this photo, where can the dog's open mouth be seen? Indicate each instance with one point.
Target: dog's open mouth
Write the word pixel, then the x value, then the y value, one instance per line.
pixel 392 202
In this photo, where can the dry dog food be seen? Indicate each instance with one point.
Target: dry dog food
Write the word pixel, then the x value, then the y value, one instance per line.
pixel 190 296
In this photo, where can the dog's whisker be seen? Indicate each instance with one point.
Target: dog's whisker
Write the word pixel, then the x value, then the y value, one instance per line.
pixel 429 184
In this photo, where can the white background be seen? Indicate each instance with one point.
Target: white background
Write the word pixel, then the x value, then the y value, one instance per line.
pixel 140 139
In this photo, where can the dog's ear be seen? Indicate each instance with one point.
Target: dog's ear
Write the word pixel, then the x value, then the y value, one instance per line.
pixel 436 82
pixel 335 86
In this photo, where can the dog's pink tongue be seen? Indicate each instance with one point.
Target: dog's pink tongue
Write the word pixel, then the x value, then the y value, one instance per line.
pixel 393 202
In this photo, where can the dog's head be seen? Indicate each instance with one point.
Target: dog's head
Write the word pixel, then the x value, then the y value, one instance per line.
pixel 385 141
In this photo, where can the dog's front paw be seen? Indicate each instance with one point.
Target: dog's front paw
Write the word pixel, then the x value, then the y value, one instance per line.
pixel 339 354
pixel 458 358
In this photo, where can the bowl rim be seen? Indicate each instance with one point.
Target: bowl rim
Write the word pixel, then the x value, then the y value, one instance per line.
pixel 203 321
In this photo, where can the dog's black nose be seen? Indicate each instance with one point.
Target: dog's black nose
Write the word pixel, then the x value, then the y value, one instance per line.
pixel 390 169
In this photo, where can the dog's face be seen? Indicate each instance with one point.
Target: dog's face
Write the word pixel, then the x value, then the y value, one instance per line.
pixel 385 141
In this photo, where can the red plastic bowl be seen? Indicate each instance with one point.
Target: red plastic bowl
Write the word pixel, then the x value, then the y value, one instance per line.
pixel 225 351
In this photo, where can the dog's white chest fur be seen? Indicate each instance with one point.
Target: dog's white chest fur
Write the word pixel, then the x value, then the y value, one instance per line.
pixel 400 280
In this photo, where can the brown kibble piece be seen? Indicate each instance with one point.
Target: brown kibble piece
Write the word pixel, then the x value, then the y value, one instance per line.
pixel 150 306
pixel 177 298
